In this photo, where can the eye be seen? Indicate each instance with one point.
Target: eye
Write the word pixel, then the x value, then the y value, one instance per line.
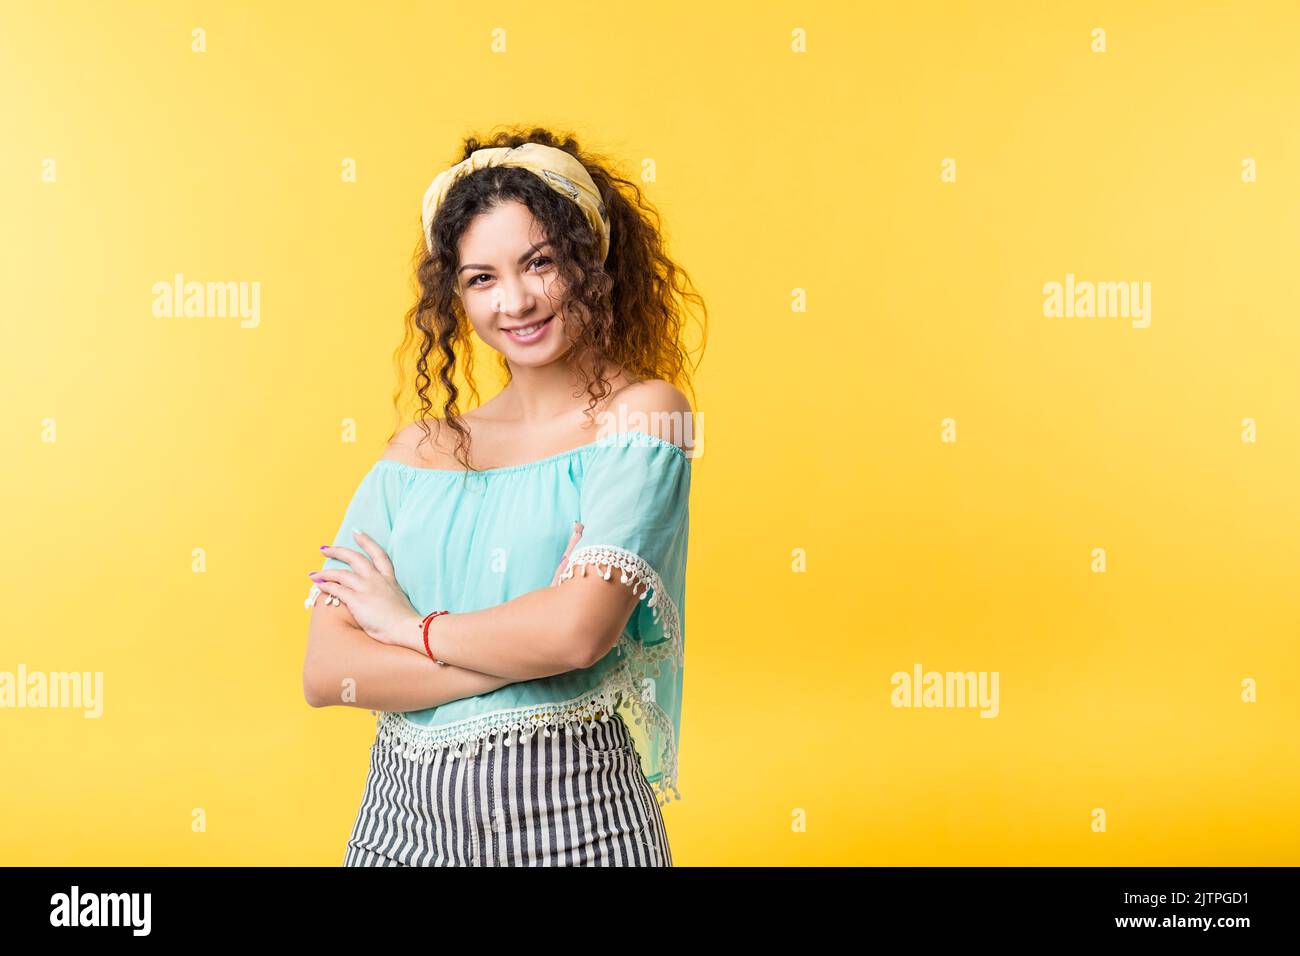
pixel 474 279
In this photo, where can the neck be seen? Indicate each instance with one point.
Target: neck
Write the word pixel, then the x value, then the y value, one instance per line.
pixel 539 394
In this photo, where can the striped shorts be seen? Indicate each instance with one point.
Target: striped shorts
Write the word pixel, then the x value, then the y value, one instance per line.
pixel 575 797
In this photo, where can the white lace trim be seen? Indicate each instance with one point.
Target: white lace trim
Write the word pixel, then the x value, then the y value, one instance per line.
pixel 314 593
pixel 635 570
pixel 510 727
pixel 617 689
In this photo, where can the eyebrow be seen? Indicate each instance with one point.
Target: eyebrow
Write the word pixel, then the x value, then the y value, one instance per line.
pixel 522 259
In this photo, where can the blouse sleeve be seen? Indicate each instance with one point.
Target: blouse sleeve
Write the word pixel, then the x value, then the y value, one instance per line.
pixel 373 507
pixel 634 504
pixel 634 509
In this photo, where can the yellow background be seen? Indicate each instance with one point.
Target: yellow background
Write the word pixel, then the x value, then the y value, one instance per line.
pixel 775 171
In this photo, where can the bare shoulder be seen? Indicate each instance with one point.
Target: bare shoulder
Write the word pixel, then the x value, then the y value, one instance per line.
pixel 653 395
pixel 425 444
pixel 654 406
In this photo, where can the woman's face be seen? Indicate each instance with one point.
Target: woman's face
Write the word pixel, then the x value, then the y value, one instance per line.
pixel 508 281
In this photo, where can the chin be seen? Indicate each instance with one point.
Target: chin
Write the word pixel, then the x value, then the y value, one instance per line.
pixel 532 358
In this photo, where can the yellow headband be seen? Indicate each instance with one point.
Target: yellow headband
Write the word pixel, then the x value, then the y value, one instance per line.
pixel 557 169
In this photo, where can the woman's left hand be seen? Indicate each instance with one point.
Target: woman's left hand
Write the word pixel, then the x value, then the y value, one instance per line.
pixel 371 592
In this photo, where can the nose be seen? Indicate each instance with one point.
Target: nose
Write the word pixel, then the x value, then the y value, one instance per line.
pixel 511 297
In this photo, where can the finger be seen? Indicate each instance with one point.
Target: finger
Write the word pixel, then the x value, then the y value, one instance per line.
pixel 377 554
pixel 336 576
pixel 354 559
pixel 555 579
pixel 573 539
pixel 335 594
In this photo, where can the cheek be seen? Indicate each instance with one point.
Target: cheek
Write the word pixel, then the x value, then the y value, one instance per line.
pixel 479 312
pixel 555 289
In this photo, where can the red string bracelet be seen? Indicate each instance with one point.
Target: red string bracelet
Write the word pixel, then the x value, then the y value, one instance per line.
pixel 425 625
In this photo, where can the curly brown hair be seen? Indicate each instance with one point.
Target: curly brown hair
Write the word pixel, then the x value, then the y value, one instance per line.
pixel 627 311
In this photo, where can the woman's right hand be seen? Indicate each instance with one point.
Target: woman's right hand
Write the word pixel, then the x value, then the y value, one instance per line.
pixel 577 533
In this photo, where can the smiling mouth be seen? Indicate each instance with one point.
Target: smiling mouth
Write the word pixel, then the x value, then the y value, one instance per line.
pixel 527 330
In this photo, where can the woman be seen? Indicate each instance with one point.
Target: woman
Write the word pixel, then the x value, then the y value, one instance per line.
pixel 458 603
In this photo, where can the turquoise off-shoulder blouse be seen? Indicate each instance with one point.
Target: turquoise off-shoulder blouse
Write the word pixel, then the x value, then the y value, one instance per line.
pixel 466 543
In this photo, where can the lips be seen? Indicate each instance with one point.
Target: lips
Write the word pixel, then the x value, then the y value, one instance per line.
pixel 530 332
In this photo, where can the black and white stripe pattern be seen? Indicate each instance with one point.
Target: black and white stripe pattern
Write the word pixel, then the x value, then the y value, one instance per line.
pixel 574 797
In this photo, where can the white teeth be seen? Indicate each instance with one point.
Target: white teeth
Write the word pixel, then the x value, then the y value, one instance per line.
pixel 528 331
